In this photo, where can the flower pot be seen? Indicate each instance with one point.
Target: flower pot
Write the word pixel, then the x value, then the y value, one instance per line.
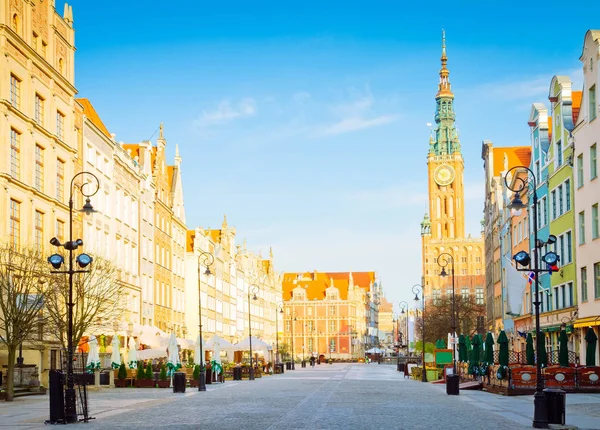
pixel 164 384
pixel 120 383
pixel 193 383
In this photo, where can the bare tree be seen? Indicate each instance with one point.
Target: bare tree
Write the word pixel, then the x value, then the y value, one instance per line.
pixel 21 302
pixel 97 297
pixel 438 317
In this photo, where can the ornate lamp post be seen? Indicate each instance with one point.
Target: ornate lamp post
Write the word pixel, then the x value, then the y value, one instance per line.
pixel 404 311
pixel 207 259
pixel 278 310
pixel 416 289
pixel 522 258
pixel 443 260
pixel 252 290
pixel 83 260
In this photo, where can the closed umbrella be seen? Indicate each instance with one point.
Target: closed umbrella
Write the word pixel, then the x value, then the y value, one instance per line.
pixel 489 349
pixel 198 359
pixel 474 359
pixel 132 353
pixel 590 351
pixel 542 355
pixel 93 358
pixel 469 347
pixel 173 361
pixel 216 362
pixel 563 351
pixel 502 341
pixel 462 348
pixel 115 357
pixel 529 353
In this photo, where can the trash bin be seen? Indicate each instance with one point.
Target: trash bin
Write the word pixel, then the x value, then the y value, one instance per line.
pixel 452 385
pixel 303 364
pixel 288 365
pixel 57 397
pixel 179 382
pixel 556 405
pixel 401 367
pixel 237 373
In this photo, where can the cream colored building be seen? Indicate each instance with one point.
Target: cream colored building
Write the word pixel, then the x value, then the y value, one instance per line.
pixel 40 129
pixel 224 293
pixel 587 194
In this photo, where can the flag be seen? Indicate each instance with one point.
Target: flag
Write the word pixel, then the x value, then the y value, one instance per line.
pixel 531 278
pixel 522 334
pixel 552 268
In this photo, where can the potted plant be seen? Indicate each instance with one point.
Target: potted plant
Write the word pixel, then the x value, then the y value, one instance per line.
pixel 195 376
pixel 150 376
pixel 163 381
pixel 121 380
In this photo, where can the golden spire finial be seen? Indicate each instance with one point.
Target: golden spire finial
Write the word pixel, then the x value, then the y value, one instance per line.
pixel 444 86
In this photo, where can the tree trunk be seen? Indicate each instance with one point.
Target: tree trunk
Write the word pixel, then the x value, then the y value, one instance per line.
pixel 10 373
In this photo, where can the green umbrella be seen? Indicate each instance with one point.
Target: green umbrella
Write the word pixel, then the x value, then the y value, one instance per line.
pixel 474 359
pixel 590 351
pixel 503 353
pixel 440 344
pixel 469 347
pixel 489 349
pixel 462 348
pixel 529 354
pixel 541 352
pixel 563 351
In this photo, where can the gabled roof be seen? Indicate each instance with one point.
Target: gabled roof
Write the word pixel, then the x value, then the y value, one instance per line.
pixel 93 116
pixel 516 156
pixel 315 283
pixel 576 95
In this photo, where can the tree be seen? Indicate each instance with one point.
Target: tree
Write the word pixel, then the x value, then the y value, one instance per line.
pixel 97 296
pixel 21 302
pixel 438 317
pixel 284 349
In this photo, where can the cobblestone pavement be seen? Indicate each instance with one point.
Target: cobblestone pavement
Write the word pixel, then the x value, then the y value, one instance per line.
pixel 339 396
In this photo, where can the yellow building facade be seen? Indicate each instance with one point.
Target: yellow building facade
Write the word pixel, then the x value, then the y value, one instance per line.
pixel 443 227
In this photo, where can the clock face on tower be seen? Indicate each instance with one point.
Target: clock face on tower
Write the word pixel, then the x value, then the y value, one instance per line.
pixel 444 175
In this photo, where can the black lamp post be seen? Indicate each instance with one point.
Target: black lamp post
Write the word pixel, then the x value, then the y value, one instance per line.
pixel 206 258
pixel 278 310
pixel 83 260
pixel 443 262
pixel 252 290
pixel 404 311
pixel 522 258
pixel 293 319
pixel 416 289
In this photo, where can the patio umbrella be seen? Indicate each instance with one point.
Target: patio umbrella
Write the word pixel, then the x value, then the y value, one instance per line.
pixel 173 361
pixel 132 353
pixel 115 357
pixel 93 358
pixel 529 353
pixel 462 348
pixel 563 351
pixel 503 353
pixel 469 347
pixel 216 362
pixel 542 354
pixel 489 349
pixel 474 359
pixel 590 350
pixel 198 359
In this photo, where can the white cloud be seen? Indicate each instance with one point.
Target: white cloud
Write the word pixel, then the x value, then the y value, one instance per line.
pixel 354 124
pixel 226 111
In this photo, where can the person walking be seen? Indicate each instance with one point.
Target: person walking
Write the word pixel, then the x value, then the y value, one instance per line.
pixel 312 361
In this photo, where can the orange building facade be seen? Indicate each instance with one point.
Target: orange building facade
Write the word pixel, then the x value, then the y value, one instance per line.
pixel 328 315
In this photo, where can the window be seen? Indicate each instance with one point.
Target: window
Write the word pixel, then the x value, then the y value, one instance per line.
pixel 592 105
pixel 436 296
pixel 15 224
pixel 332 345
pixel 15 91
pixel 553 204
pixel 580 170
pixel 568 195
pixel 15 153
pixel 559 153
pixel 44 48
pixel 332 310
pixel 581 227
pixel 569 255
pixel 583 282
pixel 479 299
pixel 595 229
pixel 15 23
pixel 331 326
pixel 60 179
pixel 39 109
pixel 60 230
pixel 537 169
pixel 597 280
pixel 60 125
pixel 570 299
pixel 39 168
pixel 310 345
pixel 593 161
pixel 560 200
pixel 544 208
pixel 464 292
pixel 557 298
pixel 39 230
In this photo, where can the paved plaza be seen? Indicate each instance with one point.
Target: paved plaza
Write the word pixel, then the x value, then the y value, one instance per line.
pixel 339 396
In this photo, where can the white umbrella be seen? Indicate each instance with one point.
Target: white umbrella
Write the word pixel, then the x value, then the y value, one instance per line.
pixel 173 362
pixel 222 343
pixel 197 354
pixel 93 358
pixel 115 357
pixel 132 354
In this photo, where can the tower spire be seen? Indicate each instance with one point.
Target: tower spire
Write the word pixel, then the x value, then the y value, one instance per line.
pixel 444 85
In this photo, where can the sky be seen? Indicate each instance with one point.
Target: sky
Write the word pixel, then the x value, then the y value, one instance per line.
pixel 306 122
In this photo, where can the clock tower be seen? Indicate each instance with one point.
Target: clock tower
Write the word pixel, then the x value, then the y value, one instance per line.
pixel 443 227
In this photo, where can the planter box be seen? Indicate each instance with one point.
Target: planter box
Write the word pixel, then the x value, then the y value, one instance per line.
pixel 164 384
pixel 120 383
pixel 193 383
pixel 144 383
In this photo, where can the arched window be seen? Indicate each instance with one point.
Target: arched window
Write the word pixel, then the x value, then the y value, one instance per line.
pixel 451 206
pixel 451 229
pixel 439 209
pixel 15 23
pixel 60 65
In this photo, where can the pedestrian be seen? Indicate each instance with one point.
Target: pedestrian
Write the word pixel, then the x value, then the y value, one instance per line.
pixel 312 361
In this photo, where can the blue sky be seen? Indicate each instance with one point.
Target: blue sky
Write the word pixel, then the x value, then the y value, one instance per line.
pixel 307 124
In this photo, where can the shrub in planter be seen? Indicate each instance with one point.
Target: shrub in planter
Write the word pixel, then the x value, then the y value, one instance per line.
pixel 149 372
pixel 195 376
pixel 121 376
pixel 163 381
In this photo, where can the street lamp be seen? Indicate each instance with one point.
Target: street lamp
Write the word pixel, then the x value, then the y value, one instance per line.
pixel 293 319
pixel 83 260
pixel 207 259
pixel 404 311
pixel 416 289
pixel 252 290
pixel 278 310
pixel 443 262
pixel 522 258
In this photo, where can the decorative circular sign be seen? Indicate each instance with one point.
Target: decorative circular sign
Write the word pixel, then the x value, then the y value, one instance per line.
pixel 559 377
pixel 526 377
pixel 593 377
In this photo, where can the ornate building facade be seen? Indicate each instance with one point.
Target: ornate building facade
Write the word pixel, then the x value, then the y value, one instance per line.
pixel 443 227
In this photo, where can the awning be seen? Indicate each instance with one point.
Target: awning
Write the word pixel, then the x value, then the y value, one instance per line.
pixel 148 354
pixel 587 322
